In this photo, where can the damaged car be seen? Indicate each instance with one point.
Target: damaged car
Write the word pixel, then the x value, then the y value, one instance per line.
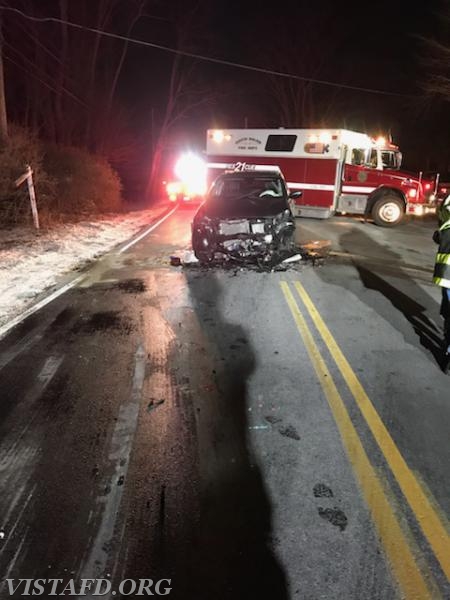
pixel 246 216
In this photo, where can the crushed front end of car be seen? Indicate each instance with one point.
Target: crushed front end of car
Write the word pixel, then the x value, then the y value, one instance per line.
pixel 245 239
pixel 246 216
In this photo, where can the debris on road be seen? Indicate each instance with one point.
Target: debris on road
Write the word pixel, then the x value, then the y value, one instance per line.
pixel 175 261
pixel 292 259
pixel 277 262
pixel 316 250
pixel 189 257
pixel 320 247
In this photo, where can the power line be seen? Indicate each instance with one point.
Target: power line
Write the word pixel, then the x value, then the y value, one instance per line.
pixel 202 57
pixel 35 39
pixel 25 70
pixel 62 89
pixel 33 74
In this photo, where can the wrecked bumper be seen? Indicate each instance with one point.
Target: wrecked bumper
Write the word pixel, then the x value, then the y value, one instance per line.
pixel 246 247
pixel 242 239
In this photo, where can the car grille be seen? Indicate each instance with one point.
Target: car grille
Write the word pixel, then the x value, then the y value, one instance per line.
pixel 233 227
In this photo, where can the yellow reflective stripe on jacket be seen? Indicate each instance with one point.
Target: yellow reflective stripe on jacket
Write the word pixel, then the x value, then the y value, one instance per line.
pixel 442 282
pixel 446 225
pixel 441 275
pixel 443 259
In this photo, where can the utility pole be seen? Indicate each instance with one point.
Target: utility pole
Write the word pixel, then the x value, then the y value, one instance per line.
pixel 3 117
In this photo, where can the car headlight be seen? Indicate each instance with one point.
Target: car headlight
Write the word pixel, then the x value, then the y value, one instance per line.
pixel 282 220
pixel 281 216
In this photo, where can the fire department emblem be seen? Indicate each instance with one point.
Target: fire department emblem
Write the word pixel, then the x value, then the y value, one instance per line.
pixel 362 176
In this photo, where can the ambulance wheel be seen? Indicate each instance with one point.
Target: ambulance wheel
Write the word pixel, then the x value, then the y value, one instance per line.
pixel 388 211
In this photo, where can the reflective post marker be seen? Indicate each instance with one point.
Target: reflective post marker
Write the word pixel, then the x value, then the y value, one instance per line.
pixel 28 177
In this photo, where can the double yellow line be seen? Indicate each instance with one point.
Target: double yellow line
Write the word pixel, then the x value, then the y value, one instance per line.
pixel 398 543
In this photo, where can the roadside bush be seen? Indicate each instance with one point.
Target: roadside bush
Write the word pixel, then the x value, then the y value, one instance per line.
pixel 69 182
pixel 20 150
pixel 84 183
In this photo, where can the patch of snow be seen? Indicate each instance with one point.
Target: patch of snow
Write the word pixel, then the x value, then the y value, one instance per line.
pixel 32 261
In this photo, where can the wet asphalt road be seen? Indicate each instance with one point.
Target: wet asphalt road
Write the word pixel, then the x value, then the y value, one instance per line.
pixel 160 422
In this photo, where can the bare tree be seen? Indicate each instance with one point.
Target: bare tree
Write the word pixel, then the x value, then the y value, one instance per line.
pixel 67 79
pixel 105 9
pixel 138 12
pixel 436 61
pixel 437 81
pixel 59 96
pixel 185 93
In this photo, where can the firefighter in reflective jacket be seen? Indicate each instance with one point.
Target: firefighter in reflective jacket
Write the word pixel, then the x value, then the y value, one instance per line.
pixel 442 273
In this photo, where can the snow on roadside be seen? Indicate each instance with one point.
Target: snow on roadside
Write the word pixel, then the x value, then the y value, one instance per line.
pixel 31 261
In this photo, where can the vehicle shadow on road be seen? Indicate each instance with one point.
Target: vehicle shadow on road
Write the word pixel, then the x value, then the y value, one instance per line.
pixel 416 306
pixel 231 558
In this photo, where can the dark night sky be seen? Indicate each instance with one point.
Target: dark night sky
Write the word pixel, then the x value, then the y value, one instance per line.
pixel 370 45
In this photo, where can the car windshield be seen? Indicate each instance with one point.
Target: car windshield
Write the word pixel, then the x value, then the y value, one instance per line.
pixel 264 195
pixel 255 187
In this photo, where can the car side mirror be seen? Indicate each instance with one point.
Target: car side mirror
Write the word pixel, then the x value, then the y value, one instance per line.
pixel 296 194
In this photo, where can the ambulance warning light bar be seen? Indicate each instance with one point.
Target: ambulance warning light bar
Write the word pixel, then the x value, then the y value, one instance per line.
pixel 242 166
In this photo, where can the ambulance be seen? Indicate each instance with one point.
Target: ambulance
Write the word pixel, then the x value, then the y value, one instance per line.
pixel 338 171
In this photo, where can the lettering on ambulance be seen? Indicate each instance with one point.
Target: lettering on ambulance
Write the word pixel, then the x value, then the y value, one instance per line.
pixel 248 143
pixel 230 162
